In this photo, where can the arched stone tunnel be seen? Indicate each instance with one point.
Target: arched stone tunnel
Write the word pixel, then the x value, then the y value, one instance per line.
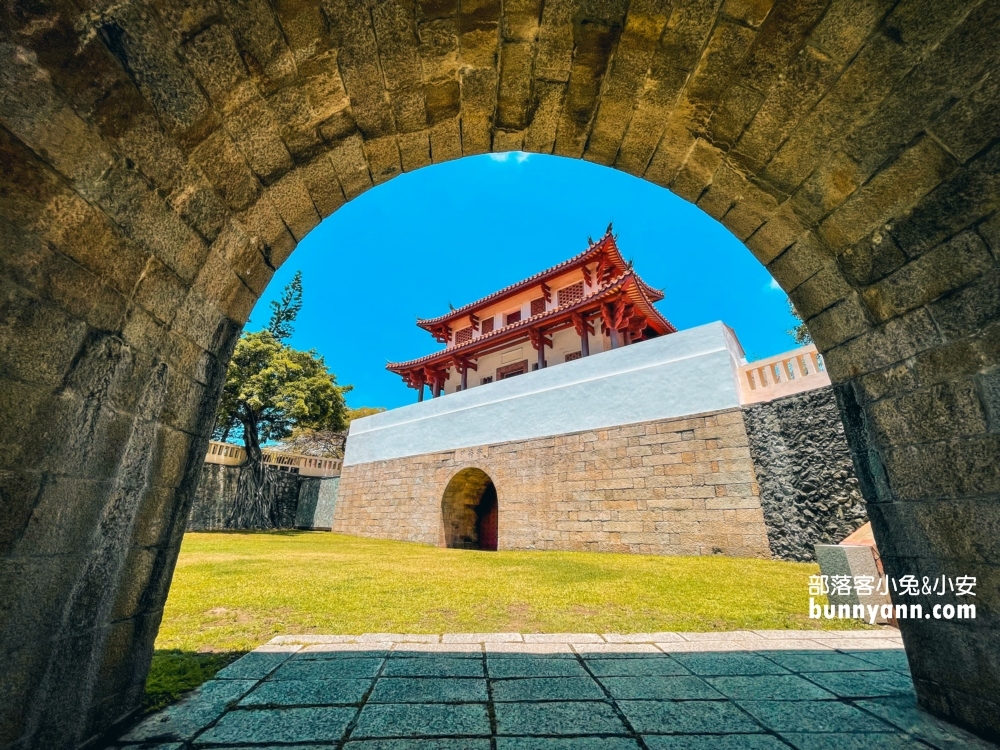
pixel 161 158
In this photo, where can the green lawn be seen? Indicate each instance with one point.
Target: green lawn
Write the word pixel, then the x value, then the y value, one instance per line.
pixel 234 591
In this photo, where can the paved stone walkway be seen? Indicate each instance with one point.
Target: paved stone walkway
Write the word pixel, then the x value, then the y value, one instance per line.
pixel 751 690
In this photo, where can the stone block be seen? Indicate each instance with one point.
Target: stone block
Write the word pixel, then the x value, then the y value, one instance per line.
pixel 428 720
pixel 557 718
pixel 893 190
pixel 185 719
pixel 949 266
pixel 281 725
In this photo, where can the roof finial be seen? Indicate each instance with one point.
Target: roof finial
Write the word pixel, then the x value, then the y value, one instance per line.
pixel 590 240
pixel 608 230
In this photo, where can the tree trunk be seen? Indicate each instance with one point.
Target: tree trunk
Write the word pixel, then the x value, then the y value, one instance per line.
pixel 255 505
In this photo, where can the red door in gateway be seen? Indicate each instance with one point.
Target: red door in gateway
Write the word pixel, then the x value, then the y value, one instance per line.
pixel 488 528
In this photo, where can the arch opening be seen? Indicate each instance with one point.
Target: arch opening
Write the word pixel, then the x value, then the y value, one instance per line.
pixel 470 512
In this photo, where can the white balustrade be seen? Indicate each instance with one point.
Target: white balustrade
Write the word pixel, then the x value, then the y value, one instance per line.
pixel 227 454
pixel 782 375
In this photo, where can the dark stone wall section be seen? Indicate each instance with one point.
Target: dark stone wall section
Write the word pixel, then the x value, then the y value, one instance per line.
pixel 217 489
pixel 808 489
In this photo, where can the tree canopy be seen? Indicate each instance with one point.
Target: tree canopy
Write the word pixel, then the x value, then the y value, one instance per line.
pixel 272 388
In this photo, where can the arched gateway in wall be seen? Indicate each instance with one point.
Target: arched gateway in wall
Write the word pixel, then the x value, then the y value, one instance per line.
pixel 160 160
pixel 469 511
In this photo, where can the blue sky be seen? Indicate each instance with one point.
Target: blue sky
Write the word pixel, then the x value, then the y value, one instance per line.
pixel 458 231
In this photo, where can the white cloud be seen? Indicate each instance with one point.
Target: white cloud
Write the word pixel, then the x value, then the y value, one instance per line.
pixel 519 156
pixel 774 286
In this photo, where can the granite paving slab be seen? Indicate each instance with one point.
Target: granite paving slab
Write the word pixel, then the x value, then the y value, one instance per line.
pixel 254 666
pixel 566 743
pixel 534 667
pixel 884 659
pixel 716 665
pixel 562 718
pixel 849 741
pixel 429 690
pixel 687 717
pixel 812 716
pixel 284 725
pixel 328 669
pixel 423 720
pixel 714 742
pixel 640 667
pixel 757 690
pixel 184 720
pixel 434 666
pixel 307 693
pixel 680 687
pixel 342 651
pixel 418 744
pixel 863 684
pixel 771 687
pixel 547 689
pixel 812 661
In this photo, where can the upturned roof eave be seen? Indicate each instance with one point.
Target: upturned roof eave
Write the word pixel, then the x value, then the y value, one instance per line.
pixel 606 242
pixel 501 334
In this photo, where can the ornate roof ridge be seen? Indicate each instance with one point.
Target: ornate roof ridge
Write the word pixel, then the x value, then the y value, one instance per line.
pixel 607 241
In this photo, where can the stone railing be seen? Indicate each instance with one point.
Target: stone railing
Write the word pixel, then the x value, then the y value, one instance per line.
pixel 782 375
pixel 307 466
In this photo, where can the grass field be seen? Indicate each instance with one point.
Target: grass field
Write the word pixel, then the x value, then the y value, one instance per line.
pixel 234 591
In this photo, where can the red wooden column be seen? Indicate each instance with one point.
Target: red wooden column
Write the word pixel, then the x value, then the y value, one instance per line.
pixel 416 380
pixel 436 379
pixel 463 366
pixel 615 317
pixel 584 328
pixel 539 340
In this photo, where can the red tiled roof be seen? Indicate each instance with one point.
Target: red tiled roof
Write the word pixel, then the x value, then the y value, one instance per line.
pixel 646 292
pixel 607 242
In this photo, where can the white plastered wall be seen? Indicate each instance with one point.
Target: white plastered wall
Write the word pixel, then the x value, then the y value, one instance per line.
pixel 689 372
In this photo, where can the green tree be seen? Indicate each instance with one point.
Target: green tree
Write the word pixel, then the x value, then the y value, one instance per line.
pixel 363 411
pixel 285 310
pixel 326 443
pixel 272 389
pixel 800 333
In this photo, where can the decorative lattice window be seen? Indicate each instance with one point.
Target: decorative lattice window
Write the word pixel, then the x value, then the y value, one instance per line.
pixel 512 318
pixel 487 325
pixel 463 335
pixel 487 379
pixel 537 306
pixel 514 368
pixel 570 295
pixel 573 355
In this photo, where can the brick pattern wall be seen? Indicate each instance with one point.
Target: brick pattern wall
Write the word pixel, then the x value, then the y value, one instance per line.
pixel 670 487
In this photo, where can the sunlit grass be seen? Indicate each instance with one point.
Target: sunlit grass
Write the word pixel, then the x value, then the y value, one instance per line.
pixel 235 591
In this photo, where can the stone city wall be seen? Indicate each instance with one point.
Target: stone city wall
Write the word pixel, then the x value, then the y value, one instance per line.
pixel 680 486
pixel 217 488
pixel 317 501
pixel 808 489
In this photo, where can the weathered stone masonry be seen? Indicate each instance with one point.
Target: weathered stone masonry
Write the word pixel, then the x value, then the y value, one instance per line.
pixel 808 489
pixel 669 487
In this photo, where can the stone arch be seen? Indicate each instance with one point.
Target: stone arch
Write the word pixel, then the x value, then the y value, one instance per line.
pixel 160 160
pixel 467 506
